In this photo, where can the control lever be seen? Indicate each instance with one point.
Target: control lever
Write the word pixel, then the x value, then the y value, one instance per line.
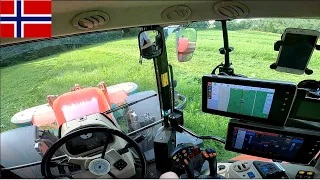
pixel 189 168
pixel 211 156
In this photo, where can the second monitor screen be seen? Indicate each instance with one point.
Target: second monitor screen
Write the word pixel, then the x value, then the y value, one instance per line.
pixel 244 100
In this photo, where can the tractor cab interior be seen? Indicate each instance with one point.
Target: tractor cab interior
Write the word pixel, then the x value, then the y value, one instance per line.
pixel 275 125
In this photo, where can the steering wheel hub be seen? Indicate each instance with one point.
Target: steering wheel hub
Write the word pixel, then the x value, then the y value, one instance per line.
pixel 99 167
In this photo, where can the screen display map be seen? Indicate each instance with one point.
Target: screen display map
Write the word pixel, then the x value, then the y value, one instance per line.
pixel 244 100
pixel 266 143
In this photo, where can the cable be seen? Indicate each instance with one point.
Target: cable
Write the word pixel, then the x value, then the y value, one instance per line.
pixel 221 140
pixel 214 70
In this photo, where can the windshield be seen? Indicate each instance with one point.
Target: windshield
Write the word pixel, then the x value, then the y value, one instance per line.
pixel 31 72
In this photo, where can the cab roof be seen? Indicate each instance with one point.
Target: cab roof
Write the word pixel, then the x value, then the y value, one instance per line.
pixel 124 14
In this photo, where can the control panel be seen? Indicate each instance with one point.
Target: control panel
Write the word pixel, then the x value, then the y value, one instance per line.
pixel 186 155
pixel 243 169
pixel 270 170
pixel 247 169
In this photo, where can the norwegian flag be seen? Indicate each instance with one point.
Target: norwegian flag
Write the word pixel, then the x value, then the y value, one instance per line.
pixel 25 18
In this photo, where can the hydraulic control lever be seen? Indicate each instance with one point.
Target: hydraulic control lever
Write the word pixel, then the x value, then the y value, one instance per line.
pixel 189 168
pixel 210 155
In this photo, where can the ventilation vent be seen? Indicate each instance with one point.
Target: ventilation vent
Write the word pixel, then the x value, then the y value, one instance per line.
pixel 176 13
pixel 231 9
pixel 90 20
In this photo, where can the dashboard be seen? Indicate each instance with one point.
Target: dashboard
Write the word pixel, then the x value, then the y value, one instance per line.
pixel 87 143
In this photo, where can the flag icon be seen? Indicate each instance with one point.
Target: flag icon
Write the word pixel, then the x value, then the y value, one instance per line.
pixel 25 18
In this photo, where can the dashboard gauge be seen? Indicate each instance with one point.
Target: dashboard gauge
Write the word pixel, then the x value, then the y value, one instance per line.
pixel 87 142
pixel 86 136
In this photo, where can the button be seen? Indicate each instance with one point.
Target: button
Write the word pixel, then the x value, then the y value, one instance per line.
pixel 174 157
pixel 282 109
pixel 284 104
pixel 239 167
pixel 244 166
pixel 221 167
pixel 301 172
pixel 251 175
pixel 204 153
pixel 264 168
pixel 285 99
pixel 120 164
pixel 309 173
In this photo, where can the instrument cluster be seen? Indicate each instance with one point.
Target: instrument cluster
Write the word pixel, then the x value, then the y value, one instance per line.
pixel 87 142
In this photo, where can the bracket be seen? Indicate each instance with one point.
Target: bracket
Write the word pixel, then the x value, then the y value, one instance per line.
pixel 277 46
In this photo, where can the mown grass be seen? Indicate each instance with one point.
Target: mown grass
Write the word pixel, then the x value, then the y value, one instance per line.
pixel 27 84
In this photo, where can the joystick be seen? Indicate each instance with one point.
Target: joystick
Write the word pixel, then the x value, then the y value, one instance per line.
pixel 211 156
pixel 189 169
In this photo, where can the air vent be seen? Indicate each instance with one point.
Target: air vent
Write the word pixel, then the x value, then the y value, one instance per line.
pixel 231 9
pixel 176 13
pixel 90 20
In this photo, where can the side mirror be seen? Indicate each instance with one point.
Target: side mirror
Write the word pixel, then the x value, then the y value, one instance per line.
pixel 185 44
pixel 150 44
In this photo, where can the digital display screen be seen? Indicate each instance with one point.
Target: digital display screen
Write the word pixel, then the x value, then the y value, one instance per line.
pixel 266 143
pixel 296 51
pixel 308 110
pixel 244 100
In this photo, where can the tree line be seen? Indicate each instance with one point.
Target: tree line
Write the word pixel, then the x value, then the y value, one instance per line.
pixel 277 25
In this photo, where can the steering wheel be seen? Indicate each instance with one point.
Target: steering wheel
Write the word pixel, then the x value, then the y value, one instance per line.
pixel 97 165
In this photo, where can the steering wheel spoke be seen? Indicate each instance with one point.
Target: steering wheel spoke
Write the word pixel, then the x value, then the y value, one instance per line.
pixel 105 147
pixel 83 162
pixel 70 174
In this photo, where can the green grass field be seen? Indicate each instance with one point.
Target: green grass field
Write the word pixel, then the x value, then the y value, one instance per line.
pixel 28 84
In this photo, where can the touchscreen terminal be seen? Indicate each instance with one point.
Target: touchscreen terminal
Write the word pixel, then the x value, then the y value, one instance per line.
pixel 265 142
pixel 248 99
pixel 274 142
pixel 245 100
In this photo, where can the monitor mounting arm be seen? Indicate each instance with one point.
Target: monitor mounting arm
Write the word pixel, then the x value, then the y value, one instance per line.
pixel 226 67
